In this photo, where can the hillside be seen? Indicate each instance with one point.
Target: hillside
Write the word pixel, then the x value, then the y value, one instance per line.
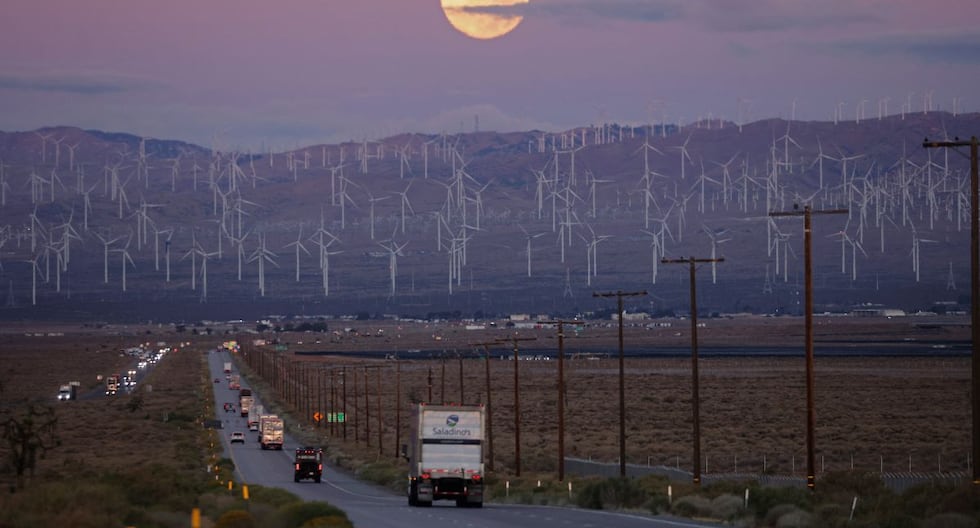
pixel 99 225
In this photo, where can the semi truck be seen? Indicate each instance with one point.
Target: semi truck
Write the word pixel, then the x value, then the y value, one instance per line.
pixel 445 456
pixel 227 367
pixel 68 391
pixel 254 413
pixel 270 432
pixel 245 404
pixel 112 384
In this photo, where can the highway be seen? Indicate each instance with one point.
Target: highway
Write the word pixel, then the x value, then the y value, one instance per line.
pixel 369 506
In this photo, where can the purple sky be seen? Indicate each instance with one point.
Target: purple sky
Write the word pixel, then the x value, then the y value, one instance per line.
pixel 286 73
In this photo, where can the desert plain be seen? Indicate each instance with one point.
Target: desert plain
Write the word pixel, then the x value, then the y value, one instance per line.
pixel 900 402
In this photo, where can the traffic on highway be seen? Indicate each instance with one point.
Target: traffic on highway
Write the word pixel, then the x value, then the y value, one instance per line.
pixel 310 476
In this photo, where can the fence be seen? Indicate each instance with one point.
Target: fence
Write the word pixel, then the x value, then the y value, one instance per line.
pixel 896 481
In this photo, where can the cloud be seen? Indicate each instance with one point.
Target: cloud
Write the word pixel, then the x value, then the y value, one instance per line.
pixel 718 15
pixel 752 16
pixel 944 47
pixel 629 10
pixel 79 84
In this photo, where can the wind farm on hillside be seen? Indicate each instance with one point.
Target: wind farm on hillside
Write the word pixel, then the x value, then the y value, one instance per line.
pixel 96 224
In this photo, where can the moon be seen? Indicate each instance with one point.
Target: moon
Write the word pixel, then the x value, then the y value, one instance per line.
pixel 481 25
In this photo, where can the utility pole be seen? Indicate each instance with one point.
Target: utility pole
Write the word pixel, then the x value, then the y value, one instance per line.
pixel 619 294
pixel 695 376
pixel 343 384
pixel 517 401
pixel 974 287
pixel 429 400
pixel 486 363
pixel 380 414
pixel 398 405
pixel 811 419
pixel 561 395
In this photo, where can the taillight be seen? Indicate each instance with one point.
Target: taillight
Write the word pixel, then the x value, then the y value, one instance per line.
pixel 476 478
pixel 297 467
pixel 425 476
pixel 319 467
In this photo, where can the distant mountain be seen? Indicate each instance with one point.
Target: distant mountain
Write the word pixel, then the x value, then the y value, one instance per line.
pixel 417 223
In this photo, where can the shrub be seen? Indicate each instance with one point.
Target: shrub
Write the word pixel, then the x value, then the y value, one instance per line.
pixel 65 504
pixel 273 496
pixel 327 522
pixel 235 519
pixel 950 520
pixel 692 506
pixel 611 493
pixel 772 515
pixel 298 513
pixel 726 506
pixel 383 473
pixel 794 519
pixel 762 500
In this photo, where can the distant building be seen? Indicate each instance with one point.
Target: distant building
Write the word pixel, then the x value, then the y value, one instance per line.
pixel 638 316
pixel 871 311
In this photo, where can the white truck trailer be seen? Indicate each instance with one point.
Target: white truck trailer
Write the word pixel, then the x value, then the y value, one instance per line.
pixel 271 432
pixel 445 457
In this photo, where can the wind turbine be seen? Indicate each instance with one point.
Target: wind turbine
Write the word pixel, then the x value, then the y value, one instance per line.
pixel 325 268
pixel 394 249
pixel 715 241
pixel 106 243
pixel 35 270
pixel 300 247
pixel 684 153
pixel 262 255
pixel 372 200
pixel 529 238
pixel 405 204
pixel 204 274
pixel 125 257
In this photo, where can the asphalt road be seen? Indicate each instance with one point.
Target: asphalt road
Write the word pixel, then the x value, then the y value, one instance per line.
pixel 369 506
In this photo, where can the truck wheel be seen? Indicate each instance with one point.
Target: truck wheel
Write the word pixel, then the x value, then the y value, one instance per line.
pixel 295 478
pixel 413 497
pixel 317 479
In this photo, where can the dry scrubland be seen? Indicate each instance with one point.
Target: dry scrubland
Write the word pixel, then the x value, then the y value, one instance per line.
pixel 866 407
pixel 881 411
pixel 103 433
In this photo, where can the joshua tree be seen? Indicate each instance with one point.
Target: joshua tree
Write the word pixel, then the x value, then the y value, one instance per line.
pixel 30 435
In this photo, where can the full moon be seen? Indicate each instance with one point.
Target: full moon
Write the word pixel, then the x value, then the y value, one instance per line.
pixel 481 25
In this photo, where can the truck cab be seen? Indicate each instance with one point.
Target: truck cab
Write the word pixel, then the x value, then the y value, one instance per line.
pixel 112 384
pixel 69 391
pixel 308 464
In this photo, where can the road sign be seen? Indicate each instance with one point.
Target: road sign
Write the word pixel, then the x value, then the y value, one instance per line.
pixel 317 416
pixel 336 417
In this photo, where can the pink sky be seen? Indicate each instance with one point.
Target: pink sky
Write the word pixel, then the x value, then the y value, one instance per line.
pixel 296 72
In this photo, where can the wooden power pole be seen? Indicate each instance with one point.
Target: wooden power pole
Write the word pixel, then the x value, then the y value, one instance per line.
pixel 811 419
pixel 695 376
pixel 622 374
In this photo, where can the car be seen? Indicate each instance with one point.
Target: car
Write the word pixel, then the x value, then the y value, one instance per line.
pixel 238 436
